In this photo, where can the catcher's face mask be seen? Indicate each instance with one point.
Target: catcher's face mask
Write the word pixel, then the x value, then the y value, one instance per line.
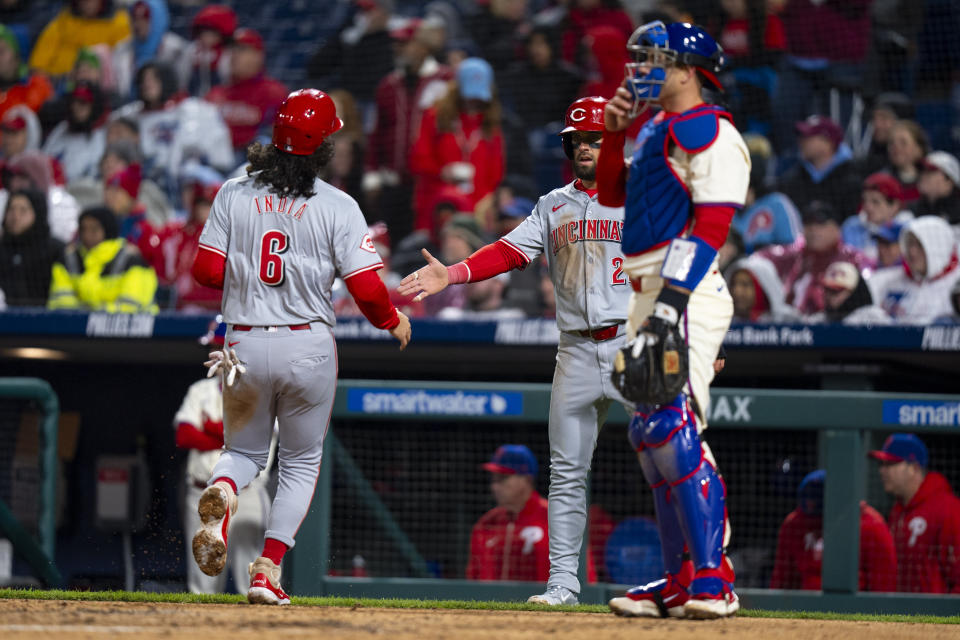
pixel 651 57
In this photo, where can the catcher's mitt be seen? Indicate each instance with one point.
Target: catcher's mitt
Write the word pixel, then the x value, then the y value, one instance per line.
pixel 654 367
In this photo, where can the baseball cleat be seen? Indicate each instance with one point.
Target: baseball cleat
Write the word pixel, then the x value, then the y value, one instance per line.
pixel 553 596
pixel 662 598
pixel 217 504
pixel 710 597
pixel 265 583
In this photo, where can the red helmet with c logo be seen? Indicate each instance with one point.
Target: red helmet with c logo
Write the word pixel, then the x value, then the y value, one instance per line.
pixel 303 122
pixel 585 114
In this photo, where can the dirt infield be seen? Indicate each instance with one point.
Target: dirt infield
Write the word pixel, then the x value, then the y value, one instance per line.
pixel 60 619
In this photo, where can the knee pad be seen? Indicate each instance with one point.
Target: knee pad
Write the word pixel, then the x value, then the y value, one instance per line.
pixel 637 426
pixel 671 435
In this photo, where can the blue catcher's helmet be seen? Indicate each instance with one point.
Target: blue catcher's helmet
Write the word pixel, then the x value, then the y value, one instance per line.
pixel 654 47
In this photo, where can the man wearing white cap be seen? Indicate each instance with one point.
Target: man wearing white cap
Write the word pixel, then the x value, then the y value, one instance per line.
pixel 939 187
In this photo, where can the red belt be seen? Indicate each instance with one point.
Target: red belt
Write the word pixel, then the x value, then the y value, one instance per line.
pixel 606 333
pixel 292 327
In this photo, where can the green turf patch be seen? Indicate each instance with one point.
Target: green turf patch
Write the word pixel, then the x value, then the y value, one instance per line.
pixel 398 603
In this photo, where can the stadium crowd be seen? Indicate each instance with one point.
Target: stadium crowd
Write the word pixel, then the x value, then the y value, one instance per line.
pixel 118 123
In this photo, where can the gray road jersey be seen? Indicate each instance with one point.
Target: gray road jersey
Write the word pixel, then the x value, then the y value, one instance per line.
pixel 283 253
pixel 581 241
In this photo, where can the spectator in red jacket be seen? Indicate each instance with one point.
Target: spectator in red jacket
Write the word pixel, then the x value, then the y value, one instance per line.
pixel 402 96
pixel 250 99
pixel 800 544
pixel 510 541
pixel 587 14
pixel 460 142
pixel 17 86
pixel 924 520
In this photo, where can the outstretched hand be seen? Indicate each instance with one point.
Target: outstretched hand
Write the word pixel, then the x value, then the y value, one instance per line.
pixel 426 280
pixel 226 363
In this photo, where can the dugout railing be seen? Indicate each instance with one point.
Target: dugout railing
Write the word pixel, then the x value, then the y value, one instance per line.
pixel 846 424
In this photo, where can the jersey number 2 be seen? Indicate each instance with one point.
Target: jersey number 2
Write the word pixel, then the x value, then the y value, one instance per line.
pixel 273 244
pixel 618 271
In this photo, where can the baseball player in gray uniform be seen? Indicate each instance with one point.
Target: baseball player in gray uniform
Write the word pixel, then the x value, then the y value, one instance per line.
pixel 581 242
pixel 274 242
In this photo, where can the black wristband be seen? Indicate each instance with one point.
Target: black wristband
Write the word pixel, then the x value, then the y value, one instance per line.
pixel 676 299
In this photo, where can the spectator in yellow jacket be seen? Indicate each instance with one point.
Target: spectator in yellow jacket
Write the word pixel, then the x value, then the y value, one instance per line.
pixel 83 23
pixel 102 272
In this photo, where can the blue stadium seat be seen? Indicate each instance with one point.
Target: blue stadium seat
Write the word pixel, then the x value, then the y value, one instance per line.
pixel 633 553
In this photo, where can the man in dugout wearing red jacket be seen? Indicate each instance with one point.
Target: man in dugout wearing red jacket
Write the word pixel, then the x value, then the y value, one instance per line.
pixel 799 558
pixel 924 520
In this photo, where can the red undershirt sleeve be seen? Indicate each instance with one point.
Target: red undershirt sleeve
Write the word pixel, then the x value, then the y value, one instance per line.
pixel 486 262
pixel 371 296
pixel 209 267
pixel 188 437
pixel 612 170
pixel 711 223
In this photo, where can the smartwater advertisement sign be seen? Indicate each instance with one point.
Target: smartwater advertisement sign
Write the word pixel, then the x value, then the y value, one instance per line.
pixel 911 413
pixel 431 402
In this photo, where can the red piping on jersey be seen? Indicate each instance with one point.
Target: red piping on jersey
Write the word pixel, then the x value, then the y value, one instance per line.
pixel 371 296
pixel 523 256
pixel 209 267
pixel 214 249
pixel 371 267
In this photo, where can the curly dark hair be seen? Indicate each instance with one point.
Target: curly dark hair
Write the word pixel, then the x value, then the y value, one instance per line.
pixel 285 173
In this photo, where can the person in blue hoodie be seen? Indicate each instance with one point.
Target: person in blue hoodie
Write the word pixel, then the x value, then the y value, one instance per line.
pixel 826 171
pixel 152 41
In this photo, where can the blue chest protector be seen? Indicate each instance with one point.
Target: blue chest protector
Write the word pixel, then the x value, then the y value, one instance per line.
pixel 658 204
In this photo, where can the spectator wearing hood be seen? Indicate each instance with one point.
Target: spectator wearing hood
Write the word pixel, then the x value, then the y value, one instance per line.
pixel 173 129
pixel 585 15
pixel 847 299
pixel 151 42
pixel 33 170
pixel 174 258
pixel 204 63
pixel 82 23
pixel 27 251
pixel 799 556
pixel 78 141
pixel 460 143
pixel 121 194
pixel 924 520
pixel 757 292
pixel 939 187
pixel 250 99
pixel 919 290
pixel 356 58
pixel 802 265
pixel 825 171
pixel 882 207
pixel 102 272
pixel 401 98
pixel 17 85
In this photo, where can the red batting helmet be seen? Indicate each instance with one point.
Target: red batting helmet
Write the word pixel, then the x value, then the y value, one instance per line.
pixel 303 121
pixel 585 114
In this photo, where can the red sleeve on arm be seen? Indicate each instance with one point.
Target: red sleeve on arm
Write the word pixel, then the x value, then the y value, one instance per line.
pixel 209 267
pixel 612 170
pixel 486 262
pixel 188 437
pixel 371 296
pixel 711 223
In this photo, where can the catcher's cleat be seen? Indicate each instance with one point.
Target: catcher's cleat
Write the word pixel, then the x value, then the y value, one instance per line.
pixel 662 598
pixel 217 504
pixel 554 596
pixel 265 583
pixel 711 596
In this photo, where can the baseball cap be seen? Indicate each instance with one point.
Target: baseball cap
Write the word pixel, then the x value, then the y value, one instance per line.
pixel 841 275
pixel 885 184
pixel 945 162
pixel 517 208
pixel 899 447
pixel 512 459
pixel 820 126
pixel 406 29
pixel 898 104
pixel 888 232
pixel 475 78
pixel 248 38
pixel 127 179
pixel 16 123
pixel 819 212
pixel 810 492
